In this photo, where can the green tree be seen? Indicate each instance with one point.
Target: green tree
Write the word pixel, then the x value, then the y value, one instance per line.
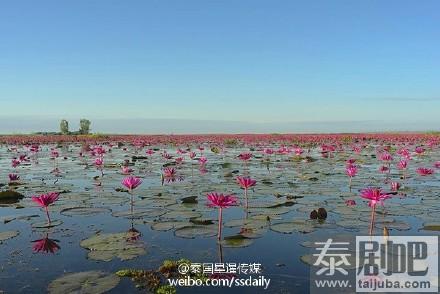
pixel 64 127
pixel 84 126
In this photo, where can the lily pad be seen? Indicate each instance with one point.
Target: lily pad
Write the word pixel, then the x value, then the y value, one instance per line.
pixel 431 227
pixel 45 224
pixel 10 196
pixel 139 213
pixel 300 226
pixel 169 225
pixel 191 232
pixel 83 211
pixel 105 247
pixel 181 214
pixel 8 235
pixel 91 282
pixel 236 241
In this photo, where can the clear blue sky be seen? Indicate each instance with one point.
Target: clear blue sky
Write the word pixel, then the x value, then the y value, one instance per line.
pixel 238 60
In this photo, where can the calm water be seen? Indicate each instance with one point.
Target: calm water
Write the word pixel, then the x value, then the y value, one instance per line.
pixel 288 191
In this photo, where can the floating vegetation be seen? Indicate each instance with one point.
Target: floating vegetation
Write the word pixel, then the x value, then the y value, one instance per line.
pixel 287 189
pixel 90 282
pixel 105 247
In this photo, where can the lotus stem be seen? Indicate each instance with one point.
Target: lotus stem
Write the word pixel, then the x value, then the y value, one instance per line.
pixel 47 214
pixel 373 212
pixel 220 224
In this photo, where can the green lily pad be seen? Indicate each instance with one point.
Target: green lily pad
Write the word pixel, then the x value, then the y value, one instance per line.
pixel 191 232
pixel 181 214
pixel 139 213
pixel 105 247
pixel 45 224
pixel 431 227
pixel 83 211
pixel 8 235
pixel 236 241
pixel 300 226
pixel 91 282
pixel 169 225
pixel 10 196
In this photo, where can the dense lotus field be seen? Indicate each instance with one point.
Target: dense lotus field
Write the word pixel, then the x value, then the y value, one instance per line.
pixel 94 214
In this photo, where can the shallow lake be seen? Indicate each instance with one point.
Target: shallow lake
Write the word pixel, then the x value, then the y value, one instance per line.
pixel 95 226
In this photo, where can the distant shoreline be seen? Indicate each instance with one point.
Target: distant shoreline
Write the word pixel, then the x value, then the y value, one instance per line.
pixel 314 138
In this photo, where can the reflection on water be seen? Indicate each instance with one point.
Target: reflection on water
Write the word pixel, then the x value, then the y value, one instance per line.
pixel 166 218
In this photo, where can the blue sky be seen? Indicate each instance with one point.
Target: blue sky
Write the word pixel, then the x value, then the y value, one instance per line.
pixel 244 61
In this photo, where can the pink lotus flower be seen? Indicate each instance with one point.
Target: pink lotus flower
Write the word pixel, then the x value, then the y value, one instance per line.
pixel 386 157
pixel 192 155
pixel 169 172
pixel 403 152
pixel 245 156
pixel 383 169
pixel 15 163
pixel 180 151
pixel 395 186
pixel 99 150
pixel 179 160
pixel 424 171
pixel 281 150
pixel 351 171
pixel 149 152
pixel 14 177
pixel 126 170
pixel 167 156
pixel 437 164
pixel 23 158
pixel 221 201
pixel 131 182
pixel 402 164
pixel 268 151
pixel 350 202
pixel 246 182
pixel 420 150
pixel 99 162
pixel 54 153
pixel 375 196
pixel 299 151
pixel 357 149
pixel 45 245
pixel 350 161
pixel 44 200
pixel 203 160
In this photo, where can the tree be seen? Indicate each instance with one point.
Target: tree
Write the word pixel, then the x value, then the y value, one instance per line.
pixel 64 127
pixel 84 126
